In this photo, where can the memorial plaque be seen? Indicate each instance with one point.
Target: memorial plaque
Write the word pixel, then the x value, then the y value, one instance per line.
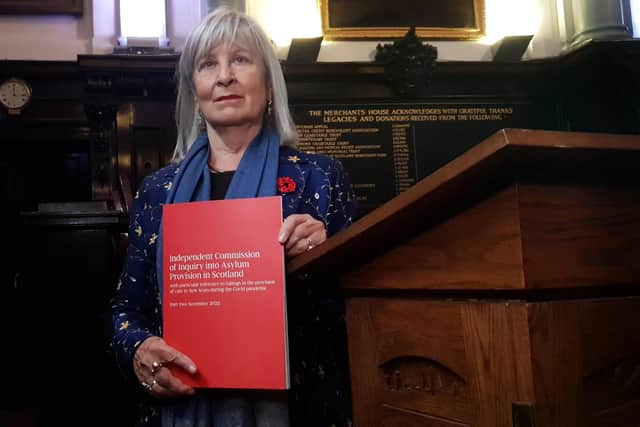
pixel 388 148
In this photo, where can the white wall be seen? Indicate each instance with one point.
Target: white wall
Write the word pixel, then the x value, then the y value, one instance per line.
pixel 46 37
pixel 64 37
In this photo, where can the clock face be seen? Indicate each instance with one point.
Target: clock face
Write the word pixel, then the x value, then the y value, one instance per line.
pixel 15 94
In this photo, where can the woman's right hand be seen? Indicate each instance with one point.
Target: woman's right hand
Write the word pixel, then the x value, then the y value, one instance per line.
pixel 150 364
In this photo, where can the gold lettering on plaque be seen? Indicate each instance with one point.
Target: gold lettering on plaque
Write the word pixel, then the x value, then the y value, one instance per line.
pixel 381 141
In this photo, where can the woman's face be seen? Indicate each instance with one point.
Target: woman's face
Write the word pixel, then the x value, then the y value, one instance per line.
pixel 230 87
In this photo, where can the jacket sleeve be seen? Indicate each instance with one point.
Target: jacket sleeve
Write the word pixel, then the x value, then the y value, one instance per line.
pixel 342 201
pixel 135 308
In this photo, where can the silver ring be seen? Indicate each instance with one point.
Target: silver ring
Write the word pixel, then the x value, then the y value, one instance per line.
pixel 148 386
pixel 309 245
pixel 156 366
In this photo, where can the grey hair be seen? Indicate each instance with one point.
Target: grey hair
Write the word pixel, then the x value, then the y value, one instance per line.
pixel 225 26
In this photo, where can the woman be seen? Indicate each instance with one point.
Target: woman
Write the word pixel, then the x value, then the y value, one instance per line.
pixel 236 139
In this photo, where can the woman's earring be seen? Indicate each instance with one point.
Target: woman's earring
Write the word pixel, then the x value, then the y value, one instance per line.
pixel 201 122
pixel 269 107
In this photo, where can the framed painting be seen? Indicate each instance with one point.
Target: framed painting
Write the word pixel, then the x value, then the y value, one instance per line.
pixel 41 7
pixel 383 19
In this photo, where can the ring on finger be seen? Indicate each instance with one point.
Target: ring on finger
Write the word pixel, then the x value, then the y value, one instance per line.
pixel 155 367
pixel 149 386
pixel 309 244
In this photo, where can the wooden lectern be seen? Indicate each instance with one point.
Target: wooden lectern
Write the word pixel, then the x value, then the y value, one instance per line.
pixel 502 290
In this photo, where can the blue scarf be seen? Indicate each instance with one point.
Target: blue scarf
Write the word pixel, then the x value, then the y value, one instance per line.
pixel 255 177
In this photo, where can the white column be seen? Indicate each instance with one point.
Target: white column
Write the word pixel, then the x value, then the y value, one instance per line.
pixel 104 26
pixel 597 20
pixel 234 4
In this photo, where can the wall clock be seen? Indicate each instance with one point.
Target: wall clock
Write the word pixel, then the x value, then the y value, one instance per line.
pixel 15 94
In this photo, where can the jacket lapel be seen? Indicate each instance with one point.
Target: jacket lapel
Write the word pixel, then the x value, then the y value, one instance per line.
pixel 293 165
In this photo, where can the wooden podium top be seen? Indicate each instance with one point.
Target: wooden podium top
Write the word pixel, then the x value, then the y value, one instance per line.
pixel 508 156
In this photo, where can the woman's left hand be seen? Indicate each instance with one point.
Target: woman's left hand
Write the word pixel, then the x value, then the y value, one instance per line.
pixel 301 232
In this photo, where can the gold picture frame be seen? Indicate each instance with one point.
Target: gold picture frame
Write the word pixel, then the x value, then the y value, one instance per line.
pixel 41 7
pixel 382 19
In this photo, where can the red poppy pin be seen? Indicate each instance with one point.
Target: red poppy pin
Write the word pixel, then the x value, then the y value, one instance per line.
pixel 286 185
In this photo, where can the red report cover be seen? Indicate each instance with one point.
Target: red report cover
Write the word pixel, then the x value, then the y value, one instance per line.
pixel 223 291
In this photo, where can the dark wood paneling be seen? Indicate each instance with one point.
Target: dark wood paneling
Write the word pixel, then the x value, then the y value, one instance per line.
pixel 580 234
pixel 506 157
pixel 566 222
pixel 585 362
pixel 66 274
pixel 409 355
pixel 525 236
pixel 499 352
pixel 420 362
pixel 398 417
pixel 478 249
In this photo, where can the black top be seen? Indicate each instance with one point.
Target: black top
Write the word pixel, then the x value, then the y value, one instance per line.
pixel 220 183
